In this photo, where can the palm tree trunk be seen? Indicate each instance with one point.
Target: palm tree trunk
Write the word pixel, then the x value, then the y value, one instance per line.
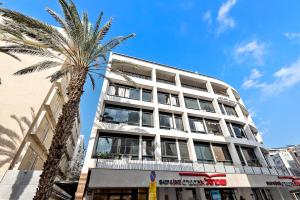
pixel 63 131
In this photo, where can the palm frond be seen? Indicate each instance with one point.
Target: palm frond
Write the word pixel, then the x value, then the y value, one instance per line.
pixel 43 65
pixel 58 74
pixel 103 31
pixel 92 80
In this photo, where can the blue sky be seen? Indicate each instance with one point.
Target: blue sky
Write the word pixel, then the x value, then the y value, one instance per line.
pixel 253 45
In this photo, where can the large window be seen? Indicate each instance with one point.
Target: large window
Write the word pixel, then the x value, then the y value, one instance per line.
pixel 203 152
pixel 198 104
pixel 198 125
pixel 168 99
pixel 123 91
pixel 146 95
pixel 236 129
pixel 183 149
pixel 147 118
pixel 170 121
pixel 250 157
pixel 238 149
pixel 222 154
pixel 168 150
pixel 117 147
pixel 228 110
pixel 121 115
pixel 148 148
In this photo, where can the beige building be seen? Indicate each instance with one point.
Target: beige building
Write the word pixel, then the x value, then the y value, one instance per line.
pixel 29 109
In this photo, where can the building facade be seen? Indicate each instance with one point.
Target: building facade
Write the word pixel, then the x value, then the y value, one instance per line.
pixel 29 109
pixel 192 131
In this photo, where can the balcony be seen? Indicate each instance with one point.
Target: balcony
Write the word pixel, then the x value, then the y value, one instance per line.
pixel 179 166
pixel 194 84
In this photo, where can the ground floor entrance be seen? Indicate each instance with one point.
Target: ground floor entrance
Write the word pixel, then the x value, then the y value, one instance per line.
pixel 220 194
pixel 121 194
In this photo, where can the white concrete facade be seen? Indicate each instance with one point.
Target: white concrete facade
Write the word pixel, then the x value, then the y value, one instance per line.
pixel 183 143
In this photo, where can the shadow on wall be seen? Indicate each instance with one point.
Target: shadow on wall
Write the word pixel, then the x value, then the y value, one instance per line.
pixel 10 142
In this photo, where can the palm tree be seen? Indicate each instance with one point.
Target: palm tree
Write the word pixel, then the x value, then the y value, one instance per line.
pixel 76 47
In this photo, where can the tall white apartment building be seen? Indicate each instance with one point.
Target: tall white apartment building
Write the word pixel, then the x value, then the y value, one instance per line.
pixel 192 130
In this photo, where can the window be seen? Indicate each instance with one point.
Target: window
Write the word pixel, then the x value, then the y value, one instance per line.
pixel 147 118
pixel 197 104
pixel 191 103
pixel 203 152
pixel 227 110
pixel 168 99
pixel 170 121
pixel 178 123
pixel 148 148
pixel 117 147
pixel 213 127
pixel 230 129
pixel 121 115
pixel 240 155
pixel 165 121
pixel 146 95
pixel 206 105
pixel 163 98
pixel 238 130
pixel 222 154
pixel 168 150
pixel 197 125
pixel 184 153
pixel 250 157
pixel 124 91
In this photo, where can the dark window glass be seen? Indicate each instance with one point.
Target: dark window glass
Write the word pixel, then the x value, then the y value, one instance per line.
pixel 117 147
pixel 229 129
pixel 213 127
pixel 238 130
pixel 165 121
pixel 134 93
pixel 203 152
pixel 169 151
pixel 163 98
pixel 147 95
pixel 240 155
pixel 191 103
pixel 174 100
pixel 178 122
pixel 250 156
pixel 148 148
pixel 196 125
pixel 147 118
pixel 121 115
pixel 207 106
pixel 184 153
pixel 230 111
pixel 221 153
pixel 222 109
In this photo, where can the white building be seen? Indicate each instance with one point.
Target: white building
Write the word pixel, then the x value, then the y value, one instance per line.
pixel 194 131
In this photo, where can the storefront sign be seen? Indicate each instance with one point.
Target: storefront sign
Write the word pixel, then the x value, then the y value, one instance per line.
pixel 152 186
pixel 294 183
pixel 209 180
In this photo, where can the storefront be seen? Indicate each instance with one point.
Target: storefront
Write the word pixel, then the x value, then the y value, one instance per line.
pixel 107 184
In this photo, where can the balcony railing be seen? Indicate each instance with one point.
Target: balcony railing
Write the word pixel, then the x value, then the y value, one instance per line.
pixel 180 166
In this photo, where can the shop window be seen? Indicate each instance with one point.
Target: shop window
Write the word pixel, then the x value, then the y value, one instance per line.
pixel 168 150
pixel 203 152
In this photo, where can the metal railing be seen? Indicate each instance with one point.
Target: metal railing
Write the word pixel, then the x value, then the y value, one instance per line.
pixel 179 166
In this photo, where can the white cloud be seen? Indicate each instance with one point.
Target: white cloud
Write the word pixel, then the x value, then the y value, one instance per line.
pixel 253 81
pixel 207 17
pixel 293 36
pixel 223 19
pixel 284 78
pixel 251 53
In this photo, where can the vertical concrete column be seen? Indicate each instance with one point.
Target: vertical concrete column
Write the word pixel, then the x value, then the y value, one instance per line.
pixel 191 149
pixel 260 156
pixel 249 132
pixel 140 148
pixel 157 147
pixel 209 87
pixel 177 80
pixel 216 106
pixel 224 128
pixel 234 155
pixel 178 150
pixel 230 93
pixel 239 112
